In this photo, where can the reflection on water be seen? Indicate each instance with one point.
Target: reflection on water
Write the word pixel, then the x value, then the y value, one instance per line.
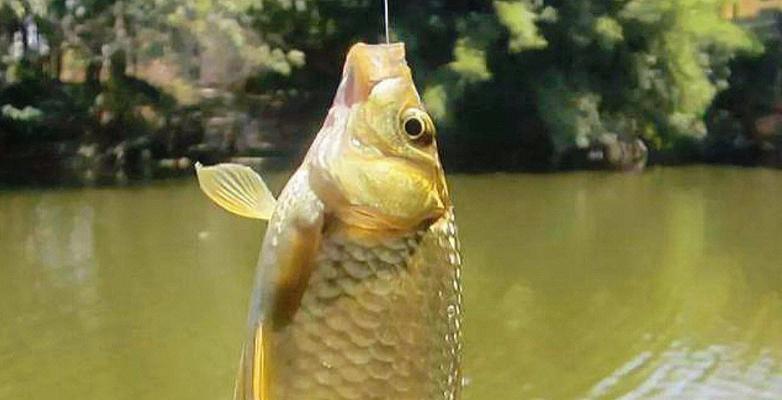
pixel 664 285
pixel 714 372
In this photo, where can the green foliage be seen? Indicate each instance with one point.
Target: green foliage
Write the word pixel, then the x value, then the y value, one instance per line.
pixel 469 61
pixel 576 115
pixel 687 47
pixel 474 35
pixel 609 32
pixel 520 21
pixel 639 68
pixel 26 114
pixel 514 82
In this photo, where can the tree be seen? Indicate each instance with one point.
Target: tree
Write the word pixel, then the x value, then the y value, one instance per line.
pixel 582 69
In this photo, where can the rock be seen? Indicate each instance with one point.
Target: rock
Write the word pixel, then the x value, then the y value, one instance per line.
pixel 609 152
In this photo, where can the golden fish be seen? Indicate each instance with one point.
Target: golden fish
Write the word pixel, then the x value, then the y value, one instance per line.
pixel 357 294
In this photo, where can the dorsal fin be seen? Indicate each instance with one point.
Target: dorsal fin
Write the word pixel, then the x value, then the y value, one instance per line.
pixel 237 189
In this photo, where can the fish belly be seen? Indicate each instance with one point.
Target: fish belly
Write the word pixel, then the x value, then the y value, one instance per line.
pixel 379 320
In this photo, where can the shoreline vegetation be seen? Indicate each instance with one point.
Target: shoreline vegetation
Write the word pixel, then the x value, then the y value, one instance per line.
pixel 110 92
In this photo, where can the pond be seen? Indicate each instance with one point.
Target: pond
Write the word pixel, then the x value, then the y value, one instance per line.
pixel 666 284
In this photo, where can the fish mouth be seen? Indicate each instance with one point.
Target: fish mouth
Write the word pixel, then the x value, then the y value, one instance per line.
pixel 365 66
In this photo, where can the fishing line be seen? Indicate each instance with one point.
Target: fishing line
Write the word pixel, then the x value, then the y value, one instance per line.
pixel 388 37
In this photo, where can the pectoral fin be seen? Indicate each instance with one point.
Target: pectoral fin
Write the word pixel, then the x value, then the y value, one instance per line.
pixel 252 382
pixel 237 189
pixel 287 260
pixel 294 265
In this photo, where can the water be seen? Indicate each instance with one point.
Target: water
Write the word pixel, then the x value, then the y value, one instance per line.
pixel 665 285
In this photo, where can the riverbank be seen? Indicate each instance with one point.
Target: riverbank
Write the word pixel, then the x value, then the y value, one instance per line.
pixel 238 137
pixel 73 165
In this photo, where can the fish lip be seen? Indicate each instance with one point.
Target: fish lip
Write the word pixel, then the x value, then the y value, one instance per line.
pixel 367 50
pixel 368 64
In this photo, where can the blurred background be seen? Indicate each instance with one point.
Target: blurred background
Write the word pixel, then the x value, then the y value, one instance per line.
pixel 106 91
pixel 614 166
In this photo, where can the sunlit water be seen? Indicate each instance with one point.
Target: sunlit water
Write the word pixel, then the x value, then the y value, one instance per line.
pixel 664 285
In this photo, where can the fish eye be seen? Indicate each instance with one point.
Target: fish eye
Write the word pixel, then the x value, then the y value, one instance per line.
pixel 414 127
pixel 416 124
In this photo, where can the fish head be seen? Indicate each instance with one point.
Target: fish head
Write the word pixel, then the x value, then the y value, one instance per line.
pixel 375 162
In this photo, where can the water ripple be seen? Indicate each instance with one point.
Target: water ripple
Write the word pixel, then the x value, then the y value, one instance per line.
pixel 687 372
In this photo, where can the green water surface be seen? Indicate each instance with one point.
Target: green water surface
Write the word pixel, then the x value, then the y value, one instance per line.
pixel 661 285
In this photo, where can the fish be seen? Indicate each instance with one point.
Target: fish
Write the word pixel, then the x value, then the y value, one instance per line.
pixel 357 293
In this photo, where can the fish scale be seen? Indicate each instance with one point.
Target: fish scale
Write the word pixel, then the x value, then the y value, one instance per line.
pixel 364 329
